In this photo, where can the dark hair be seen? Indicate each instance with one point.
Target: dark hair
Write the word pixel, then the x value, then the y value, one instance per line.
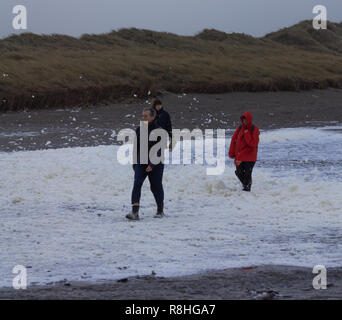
pixel 156 102
pixel 151 111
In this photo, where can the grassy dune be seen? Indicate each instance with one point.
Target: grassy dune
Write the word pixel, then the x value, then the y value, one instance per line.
pixel 44 71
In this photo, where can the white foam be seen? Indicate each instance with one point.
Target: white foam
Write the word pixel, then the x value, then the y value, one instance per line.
pixel 50 201
pixel 297 134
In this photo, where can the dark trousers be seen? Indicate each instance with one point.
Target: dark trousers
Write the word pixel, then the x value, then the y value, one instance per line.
pixel 156 182
pixel 244 173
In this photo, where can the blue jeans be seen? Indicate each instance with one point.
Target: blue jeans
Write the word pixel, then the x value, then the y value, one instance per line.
pixel 156 182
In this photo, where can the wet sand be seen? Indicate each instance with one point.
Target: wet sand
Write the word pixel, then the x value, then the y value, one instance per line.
pixel 254 283
pixel 92 126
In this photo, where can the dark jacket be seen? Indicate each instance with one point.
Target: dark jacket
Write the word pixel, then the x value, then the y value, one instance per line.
pixel 164 121
pixel 151 127
pixel 244 143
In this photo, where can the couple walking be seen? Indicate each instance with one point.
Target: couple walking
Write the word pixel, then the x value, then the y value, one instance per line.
pixel 243 149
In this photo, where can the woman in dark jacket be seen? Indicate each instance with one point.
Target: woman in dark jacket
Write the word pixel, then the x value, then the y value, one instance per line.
pixel 142 170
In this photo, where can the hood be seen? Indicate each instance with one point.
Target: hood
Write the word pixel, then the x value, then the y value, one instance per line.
pixel 248 117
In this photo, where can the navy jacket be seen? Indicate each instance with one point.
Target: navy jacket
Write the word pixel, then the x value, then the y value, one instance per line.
pixel 164 121
pixel 151 127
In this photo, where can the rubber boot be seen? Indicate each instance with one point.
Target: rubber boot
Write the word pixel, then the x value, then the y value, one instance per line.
pixel 247 187
pixel 134 215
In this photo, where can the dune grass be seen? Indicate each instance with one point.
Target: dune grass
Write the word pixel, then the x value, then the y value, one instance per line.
pixel 45 71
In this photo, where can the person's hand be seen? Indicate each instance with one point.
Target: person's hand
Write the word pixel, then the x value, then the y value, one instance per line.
pixel 148 169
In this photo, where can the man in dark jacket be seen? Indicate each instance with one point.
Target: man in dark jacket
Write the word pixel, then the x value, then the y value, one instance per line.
pixel 244 149
pixel 163 119
pixel 154 172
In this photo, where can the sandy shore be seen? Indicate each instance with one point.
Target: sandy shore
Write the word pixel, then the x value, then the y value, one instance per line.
pixel 254 283
pixel 92 126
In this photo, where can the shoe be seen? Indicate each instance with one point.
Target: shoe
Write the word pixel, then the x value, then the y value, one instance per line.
pixel 160 212
pixel 247 187
pixel 159 215
pixel 134 215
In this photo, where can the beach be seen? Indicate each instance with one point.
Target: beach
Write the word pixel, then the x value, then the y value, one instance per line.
pixel 64 196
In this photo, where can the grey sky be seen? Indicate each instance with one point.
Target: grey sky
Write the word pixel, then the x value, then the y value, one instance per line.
pixel 187 17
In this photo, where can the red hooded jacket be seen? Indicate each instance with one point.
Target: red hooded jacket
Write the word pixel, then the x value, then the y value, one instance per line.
pixel 244 143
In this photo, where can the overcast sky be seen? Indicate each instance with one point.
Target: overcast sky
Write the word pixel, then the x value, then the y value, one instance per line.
pixel 187 17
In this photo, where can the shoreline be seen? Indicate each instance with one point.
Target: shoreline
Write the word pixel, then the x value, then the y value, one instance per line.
pixel 93 126
pixel 269 282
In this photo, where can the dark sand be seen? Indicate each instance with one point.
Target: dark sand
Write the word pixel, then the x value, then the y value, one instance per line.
pixel 46 129
pixel 255 283
pixel 92 126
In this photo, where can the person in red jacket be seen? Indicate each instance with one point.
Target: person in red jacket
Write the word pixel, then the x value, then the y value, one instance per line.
pixel 244 149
